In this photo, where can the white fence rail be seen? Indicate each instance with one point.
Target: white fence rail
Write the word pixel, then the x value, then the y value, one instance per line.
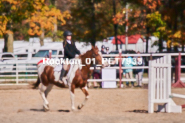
pixel 24 71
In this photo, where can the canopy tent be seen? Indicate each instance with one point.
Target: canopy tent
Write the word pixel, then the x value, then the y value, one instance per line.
pixel 133 39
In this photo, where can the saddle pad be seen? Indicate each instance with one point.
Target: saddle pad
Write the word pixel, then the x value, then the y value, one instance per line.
pixel 57 75
pixel 41 61
pixel 58 68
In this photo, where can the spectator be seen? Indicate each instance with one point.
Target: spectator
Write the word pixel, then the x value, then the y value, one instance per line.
pixel 139 72
pixel 102 49
pixel 107 50
pixel 96 75
pixel 128 73
pixel 115 63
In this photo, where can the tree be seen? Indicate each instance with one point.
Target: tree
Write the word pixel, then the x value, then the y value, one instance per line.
pixel 163 19
pixel 44 21
pixel 13 12
pixel 138 21
pixel 92 20
pixel 173 14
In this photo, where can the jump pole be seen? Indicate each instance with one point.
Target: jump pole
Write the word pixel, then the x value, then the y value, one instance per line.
pixel 178 96
pixel 120 76
pixel 178 83
pixel 183 106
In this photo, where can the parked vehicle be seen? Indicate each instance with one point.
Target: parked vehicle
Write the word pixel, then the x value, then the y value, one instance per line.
pixel 5 60
pixel 6 56
pixel 9 61
pixel 24 55
pixel 43 52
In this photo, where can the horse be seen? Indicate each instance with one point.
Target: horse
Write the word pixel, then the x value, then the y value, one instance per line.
pixel 77 76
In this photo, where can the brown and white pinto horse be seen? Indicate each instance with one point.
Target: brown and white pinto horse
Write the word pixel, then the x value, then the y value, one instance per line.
pixel 76 78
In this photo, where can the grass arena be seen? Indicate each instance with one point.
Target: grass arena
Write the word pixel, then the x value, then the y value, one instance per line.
pixel 126 105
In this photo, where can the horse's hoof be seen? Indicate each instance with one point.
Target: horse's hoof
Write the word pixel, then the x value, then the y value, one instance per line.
pixel 73 110
pixel 80 106
pixel 45 108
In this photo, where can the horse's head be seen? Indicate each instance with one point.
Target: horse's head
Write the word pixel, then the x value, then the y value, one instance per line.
pixel 98 56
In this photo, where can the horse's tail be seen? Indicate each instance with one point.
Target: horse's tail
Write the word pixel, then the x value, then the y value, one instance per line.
pixel 35 85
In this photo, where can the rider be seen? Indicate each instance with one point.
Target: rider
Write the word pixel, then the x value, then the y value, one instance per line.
pixel 70 51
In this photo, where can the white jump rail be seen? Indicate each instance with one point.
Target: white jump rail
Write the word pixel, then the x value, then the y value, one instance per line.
pixel 159 90
pixel 177 95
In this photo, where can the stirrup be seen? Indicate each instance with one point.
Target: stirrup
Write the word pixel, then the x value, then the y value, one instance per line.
pixel 63 81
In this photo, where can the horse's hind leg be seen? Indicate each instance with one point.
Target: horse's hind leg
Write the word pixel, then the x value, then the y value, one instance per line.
pixel 49 87
pixel 42 93
pixel 85 91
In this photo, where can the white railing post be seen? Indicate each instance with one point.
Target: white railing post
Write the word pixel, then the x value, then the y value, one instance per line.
pixel 150 88
pixel 17 74
pixel 168 108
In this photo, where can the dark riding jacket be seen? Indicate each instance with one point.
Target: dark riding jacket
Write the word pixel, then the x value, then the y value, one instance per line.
pixel 103 52
pixel 70 50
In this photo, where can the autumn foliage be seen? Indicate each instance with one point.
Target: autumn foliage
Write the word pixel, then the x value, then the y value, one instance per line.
pixel 44 18
pixel 163 19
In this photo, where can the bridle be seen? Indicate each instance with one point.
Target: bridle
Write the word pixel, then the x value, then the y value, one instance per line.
pixel 94 56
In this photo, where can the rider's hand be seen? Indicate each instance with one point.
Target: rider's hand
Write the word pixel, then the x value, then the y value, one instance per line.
pixel 76 56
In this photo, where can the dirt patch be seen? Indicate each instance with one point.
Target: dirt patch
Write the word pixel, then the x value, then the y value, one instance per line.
pixel 103 106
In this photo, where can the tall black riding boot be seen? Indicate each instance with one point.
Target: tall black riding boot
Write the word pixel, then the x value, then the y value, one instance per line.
pixel 62 74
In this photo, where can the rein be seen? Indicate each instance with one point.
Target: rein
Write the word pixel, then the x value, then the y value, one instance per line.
pixel 93 56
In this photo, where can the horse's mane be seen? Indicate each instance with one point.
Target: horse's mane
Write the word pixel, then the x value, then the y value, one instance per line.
pixel 85 54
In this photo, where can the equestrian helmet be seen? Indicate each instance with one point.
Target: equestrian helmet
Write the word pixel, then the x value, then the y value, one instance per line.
pixel 67 33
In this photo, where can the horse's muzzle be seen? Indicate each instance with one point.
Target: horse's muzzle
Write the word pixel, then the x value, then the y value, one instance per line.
pixel 106 64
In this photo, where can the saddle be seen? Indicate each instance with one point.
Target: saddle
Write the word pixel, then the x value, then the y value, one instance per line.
pixel 58 68
pixel 57 71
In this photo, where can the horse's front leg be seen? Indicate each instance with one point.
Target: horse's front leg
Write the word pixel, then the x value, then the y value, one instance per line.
pixel 72 88
pixel 85 91
pixel 42 93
